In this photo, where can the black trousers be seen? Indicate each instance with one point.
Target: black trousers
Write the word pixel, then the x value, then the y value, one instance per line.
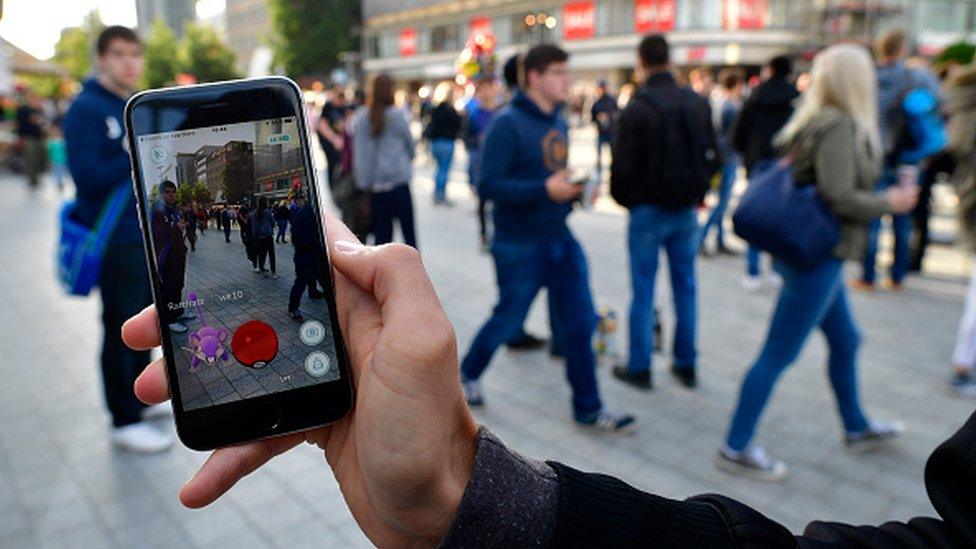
pixel 124 289
pixel 265 249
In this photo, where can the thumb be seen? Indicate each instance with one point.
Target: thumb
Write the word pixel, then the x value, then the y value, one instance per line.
pixel 392 273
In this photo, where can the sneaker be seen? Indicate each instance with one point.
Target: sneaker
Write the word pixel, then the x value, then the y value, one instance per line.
pixel 177 327
pixel 860 285
pixel 158 411
pixel 472 392
pixel 686 375
pixel 526 342
pixel 641 380
pixel 963 384
pixel 296 316
pixel 187 315
pixel 257 270
pixel 751 463
pixel 752 284
pixel 275 276
pixel 876 435
pixel 141 438
pixel 774 280
pixel 609 422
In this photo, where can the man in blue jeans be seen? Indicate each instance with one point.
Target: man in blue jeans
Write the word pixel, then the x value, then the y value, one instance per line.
pixel 93 134
pixel 664 153
pixel 524 174
pixel 895 81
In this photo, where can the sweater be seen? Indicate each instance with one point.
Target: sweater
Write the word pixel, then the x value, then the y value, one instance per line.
pixel 523 146
pixel 384 161
pixel 512 501
pixel 93 134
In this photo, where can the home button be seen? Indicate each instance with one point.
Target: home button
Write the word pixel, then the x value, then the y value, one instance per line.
pixel 267 417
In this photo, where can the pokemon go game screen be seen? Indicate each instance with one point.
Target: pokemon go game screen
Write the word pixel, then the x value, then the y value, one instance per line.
pixel 240 259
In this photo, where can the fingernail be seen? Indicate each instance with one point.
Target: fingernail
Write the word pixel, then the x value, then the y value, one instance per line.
pixel 349 247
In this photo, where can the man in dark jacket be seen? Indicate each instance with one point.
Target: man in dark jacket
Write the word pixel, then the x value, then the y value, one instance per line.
pixel 664 153
pixel 604 115
pixel 99 165
pixel 762 116
pixel 765 113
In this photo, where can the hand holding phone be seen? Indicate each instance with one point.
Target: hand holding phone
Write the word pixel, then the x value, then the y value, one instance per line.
pixel 410 429
pixel 249 327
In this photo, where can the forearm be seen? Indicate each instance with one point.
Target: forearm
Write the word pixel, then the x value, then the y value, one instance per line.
pixel 510 189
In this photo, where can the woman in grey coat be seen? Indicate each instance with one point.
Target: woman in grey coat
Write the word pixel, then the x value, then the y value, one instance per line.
pixel 383 151
pixel 833 137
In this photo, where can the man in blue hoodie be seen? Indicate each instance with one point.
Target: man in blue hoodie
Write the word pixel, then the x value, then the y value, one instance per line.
pixel 93 133
pixel 524 174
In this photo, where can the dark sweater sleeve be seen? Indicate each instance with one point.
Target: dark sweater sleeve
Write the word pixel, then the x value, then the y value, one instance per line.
pixel 510 501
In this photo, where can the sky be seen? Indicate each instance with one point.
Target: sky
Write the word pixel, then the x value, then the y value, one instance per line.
pixel 35 25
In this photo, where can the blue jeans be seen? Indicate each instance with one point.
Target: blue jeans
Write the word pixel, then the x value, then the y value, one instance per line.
pixel 282 229
pixel 650 228
pixel 729 172
pixel 752 261
pixel 601 140
pixel 901 224
pixel 390 205
pixel 523 268
pixel 124 289
pixel 807 300
pixel 443 151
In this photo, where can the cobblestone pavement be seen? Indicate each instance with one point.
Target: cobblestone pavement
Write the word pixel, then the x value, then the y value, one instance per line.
pixel 65 486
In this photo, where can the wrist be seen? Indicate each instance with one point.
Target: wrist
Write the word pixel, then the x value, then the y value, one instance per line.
pixel 456 473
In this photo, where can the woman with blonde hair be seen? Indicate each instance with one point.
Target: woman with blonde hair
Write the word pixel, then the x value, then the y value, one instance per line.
pixel 834 143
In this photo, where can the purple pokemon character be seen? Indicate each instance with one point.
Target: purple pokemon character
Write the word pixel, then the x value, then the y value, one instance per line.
pixel 208 343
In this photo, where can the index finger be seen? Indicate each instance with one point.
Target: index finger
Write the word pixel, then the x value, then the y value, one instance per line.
pixel 141 332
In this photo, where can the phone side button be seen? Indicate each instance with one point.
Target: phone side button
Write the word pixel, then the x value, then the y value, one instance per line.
pixel 267 418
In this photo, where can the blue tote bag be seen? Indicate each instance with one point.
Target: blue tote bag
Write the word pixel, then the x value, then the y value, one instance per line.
pixel 789 221
pixel 81 248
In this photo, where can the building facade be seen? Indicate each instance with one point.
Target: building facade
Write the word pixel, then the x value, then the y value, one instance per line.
pixel 278 162
pixel 247 25
pixel 421 39
pixel 175 13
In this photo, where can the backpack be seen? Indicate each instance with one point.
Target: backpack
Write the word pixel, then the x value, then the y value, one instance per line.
pixel 682 170
pixel 923 126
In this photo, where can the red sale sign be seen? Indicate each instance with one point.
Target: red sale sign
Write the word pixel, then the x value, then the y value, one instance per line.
pixel 408 42
pixel 579 20
pixel 654 15
pixel 745 14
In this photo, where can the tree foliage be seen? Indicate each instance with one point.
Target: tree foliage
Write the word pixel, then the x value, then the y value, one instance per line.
pixel 204 55
pixel 74 50
pixel 308 35
pixel 162 56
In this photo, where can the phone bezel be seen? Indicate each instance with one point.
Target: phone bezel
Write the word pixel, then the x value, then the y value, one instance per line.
pixel 264 416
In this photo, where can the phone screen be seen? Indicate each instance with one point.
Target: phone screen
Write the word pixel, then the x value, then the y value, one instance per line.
pixel 240 259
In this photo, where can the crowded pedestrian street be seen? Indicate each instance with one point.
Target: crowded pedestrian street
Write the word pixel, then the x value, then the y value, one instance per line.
pixel 67 486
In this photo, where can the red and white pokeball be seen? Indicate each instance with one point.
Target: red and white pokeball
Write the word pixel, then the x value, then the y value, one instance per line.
pixel 254 344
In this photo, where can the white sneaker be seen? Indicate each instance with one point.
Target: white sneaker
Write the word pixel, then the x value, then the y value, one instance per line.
pixel 774 280
pixel 141 438
pixel 752 284
pixel 177 327
pixel 156 411
pixel 257 270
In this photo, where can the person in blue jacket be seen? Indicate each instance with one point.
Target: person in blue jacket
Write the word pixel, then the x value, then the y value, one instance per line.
pixel 524 174
pixel 93 134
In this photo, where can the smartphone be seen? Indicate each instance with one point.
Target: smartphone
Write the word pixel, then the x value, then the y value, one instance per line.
pixel 231 219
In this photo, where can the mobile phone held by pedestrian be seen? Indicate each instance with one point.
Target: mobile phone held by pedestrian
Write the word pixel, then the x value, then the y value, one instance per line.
pixel 908 175
pixel 583 178
pixel 249 327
